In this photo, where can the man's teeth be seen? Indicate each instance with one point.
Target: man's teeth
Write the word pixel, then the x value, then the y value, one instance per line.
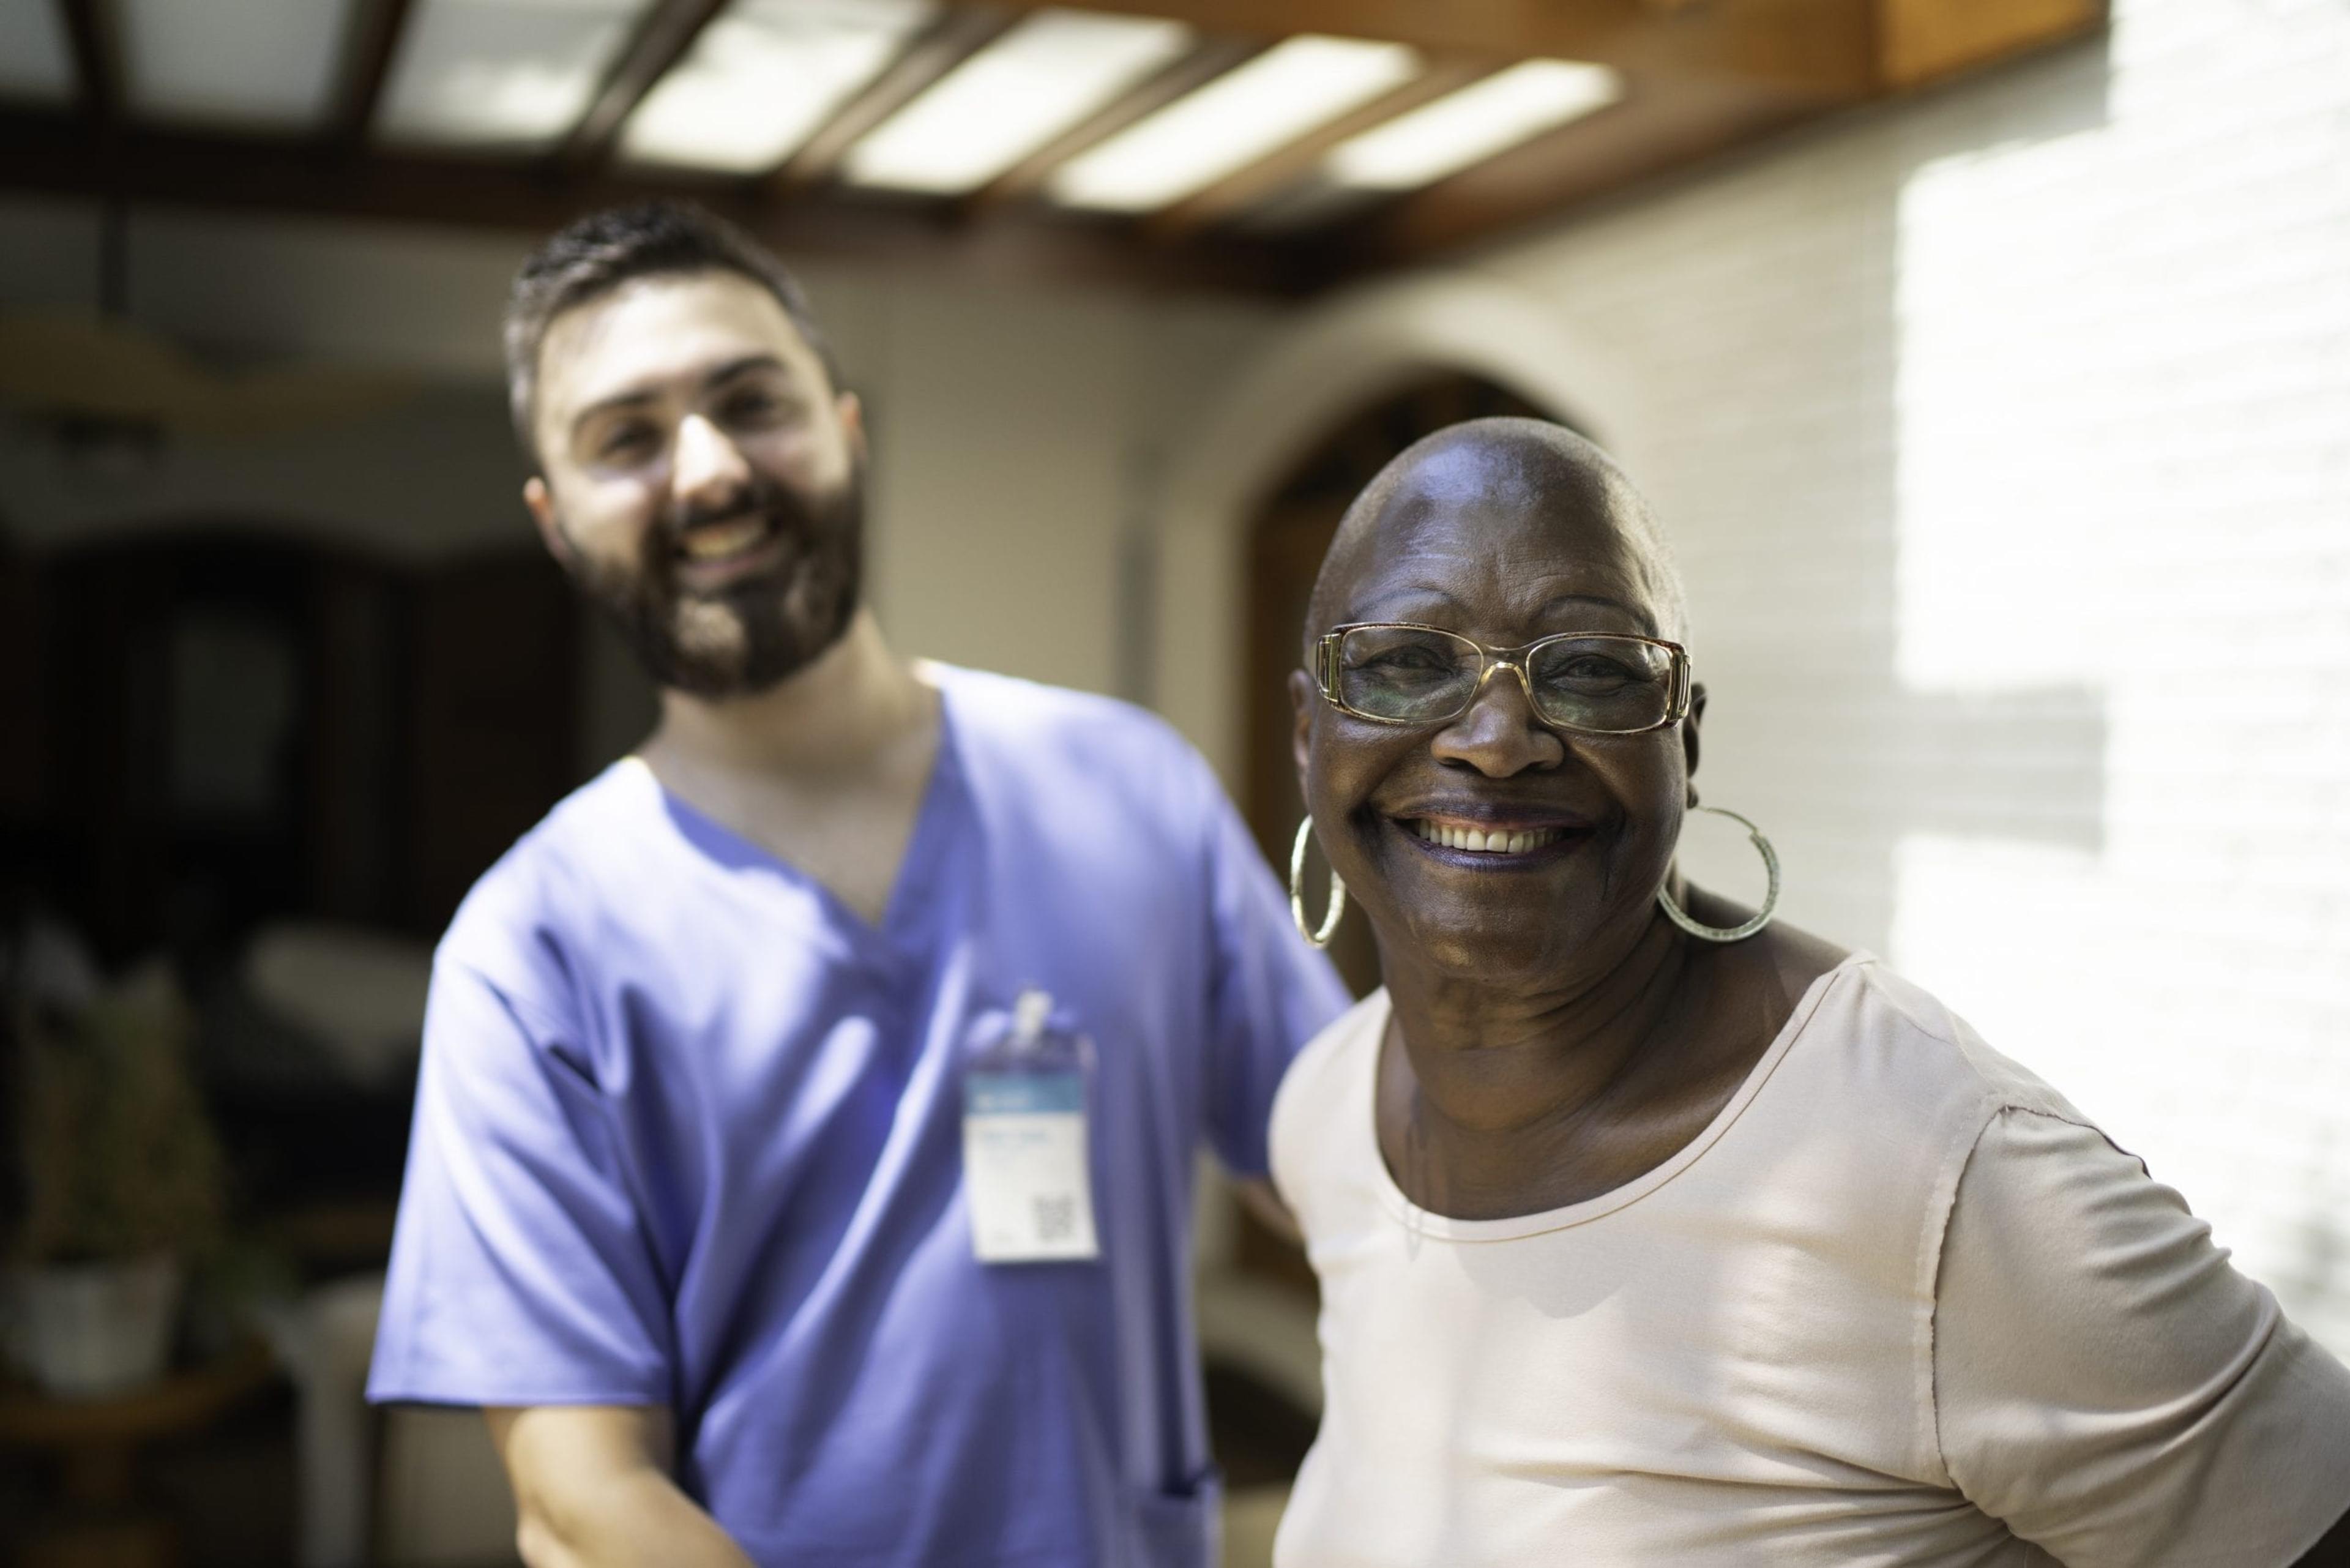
pixel 713 541
pixel 1500 841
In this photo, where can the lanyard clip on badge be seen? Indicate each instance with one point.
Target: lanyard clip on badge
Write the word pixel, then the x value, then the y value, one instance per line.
pixel 1025 1151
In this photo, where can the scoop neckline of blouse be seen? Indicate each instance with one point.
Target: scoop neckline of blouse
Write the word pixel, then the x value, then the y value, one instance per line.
pixel 1516 1227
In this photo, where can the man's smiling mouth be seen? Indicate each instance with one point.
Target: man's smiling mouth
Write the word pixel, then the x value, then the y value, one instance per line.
pixel 723 541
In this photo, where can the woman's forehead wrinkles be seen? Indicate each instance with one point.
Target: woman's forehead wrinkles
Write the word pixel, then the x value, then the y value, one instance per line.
pixel 1479 553
pixel 1491 596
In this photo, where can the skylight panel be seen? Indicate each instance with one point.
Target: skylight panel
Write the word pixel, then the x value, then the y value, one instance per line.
pixel 1037 80
pixel 257 62
pixel 765 77
pixel 515 74
pixel 33 60
pixel 1472 125
pixel 1233 121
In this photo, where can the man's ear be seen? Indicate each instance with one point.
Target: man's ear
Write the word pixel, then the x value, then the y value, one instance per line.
pixel 535 495
pixel 852 420
pixel 1688 736
pixel 1302 699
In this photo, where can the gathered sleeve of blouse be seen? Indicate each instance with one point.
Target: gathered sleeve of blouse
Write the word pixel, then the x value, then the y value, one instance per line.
pixel 2107 1384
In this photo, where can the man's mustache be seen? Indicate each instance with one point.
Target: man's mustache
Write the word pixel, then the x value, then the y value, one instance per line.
pixel 763 498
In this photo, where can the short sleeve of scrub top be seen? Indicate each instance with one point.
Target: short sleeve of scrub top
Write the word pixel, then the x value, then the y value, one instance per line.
pixel 537 1236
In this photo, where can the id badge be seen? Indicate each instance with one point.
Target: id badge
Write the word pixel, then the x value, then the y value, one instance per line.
pixel 1025 1161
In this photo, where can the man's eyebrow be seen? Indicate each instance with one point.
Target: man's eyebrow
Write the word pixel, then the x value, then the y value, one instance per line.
pixel 744 366
pixel 636 396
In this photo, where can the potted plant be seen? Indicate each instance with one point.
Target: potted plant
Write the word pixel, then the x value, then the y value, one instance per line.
pixel 121 1186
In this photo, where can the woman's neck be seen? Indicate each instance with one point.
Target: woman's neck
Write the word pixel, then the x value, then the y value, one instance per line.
pixel 1501 1099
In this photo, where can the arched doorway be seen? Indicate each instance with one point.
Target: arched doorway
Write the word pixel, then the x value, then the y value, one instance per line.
pixel 1286 540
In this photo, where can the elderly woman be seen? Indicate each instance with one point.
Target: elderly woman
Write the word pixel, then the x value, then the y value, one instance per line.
pixel 1652 1233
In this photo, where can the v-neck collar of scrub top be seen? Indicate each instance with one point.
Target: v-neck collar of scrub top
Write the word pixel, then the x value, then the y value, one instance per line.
pixel 908 926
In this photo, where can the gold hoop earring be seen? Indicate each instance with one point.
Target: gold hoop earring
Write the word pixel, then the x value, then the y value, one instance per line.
pixel 1674 912
pixel 1320 939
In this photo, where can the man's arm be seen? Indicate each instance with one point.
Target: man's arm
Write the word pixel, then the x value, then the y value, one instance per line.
pixel 592 1490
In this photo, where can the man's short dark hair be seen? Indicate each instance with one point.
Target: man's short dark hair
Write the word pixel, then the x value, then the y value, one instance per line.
pixel 593 256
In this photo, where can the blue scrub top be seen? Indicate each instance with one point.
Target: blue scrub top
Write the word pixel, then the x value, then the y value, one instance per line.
pixel 689 1133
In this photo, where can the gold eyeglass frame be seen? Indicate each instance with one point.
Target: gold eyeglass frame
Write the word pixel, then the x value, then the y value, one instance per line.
pixel 1326 673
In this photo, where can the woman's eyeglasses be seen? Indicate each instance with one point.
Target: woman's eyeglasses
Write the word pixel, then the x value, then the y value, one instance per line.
pixel 1398 673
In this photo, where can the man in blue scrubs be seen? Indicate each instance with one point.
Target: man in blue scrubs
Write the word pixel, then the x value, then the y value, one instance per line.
pixel 689 1210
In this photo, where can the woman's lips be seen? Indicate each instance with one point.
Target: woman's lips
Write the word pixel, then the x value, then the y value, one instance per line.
pixel 1489 838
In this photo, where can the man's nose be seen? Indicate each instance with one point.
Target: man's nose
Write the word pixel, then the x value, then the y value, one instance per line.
pixel 1499 734
pixel 707 465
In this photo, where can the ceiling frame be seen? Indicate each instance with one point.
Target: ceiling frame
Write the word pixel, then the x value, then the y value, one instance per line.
pixel 1207 60
pixel 664 36
pixel 97 52
pixel 1823 48
pixel 1295 159
pixel 55 153
pixel 957 33
pixel 1700 78
pixel 370 47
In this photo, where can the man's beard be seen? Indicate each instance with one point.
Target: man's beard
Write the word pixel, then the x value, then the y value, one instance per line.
pixel 758 630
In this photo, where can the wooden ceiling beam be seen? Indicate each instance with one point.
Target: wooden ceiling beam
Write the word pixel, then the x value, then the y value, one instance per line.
pixel 1672 122
pixel 1243 188
pixel 959 33
pixel 98 61
pixel 369 45
pixel 1922 41
pixel 1206 61
pixel 1660 126
pixel 662 37
pixel 1826 48
pixel 55 153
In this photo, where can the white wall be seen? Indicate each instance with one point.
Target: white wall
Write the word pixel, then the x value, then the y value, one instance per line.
pixel 1017 428
pixel 2006 438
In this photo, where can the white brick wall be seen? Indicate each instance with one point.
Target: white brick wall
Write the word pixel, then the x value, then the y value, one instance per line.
pixel 2006 436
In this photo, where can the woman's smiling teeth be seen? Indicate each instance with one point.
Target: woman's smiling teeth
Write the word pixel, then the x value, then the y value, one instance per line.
pixel 1480 841
pixel 716 541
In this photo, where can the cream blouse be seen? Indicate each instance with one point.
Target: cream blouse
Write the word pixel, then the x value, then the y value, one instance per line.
pixel 1899 1303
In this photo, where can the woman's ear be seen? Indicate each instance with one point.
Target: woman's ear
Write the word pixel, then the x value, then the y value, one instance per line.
pixel 1689 736
pixel 1302 698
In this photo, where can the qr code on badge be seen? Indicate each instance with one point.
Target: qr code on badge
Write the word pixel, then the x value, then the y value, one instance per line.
pixel 1056 1217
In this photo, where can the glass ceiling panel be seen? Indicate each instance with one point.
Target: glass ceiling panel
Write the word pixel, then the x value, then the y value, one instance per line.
pixel 1036 81
pixel 515 74
pixel 1233 121
pixel 764 77
pixel 34 63
pixel 255 62
pixel 1472 125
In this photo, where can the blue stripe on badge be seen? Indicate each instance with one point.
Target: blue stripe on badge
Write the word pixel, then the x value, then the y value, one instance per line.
pixel 1023 1094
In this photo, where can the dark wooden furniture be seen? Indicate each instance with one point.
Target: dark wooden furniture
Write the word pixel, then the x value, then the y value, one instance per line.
pixel 98 1518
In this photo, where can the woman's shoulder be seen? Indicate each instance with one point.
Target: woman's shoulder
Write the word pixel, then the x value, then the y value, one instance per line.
pixel 1886 1037
pixel 1331 1073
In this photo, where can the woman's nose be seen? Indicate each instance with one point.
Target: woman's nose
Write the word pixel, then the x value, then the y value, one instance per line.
pixel 1499 734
